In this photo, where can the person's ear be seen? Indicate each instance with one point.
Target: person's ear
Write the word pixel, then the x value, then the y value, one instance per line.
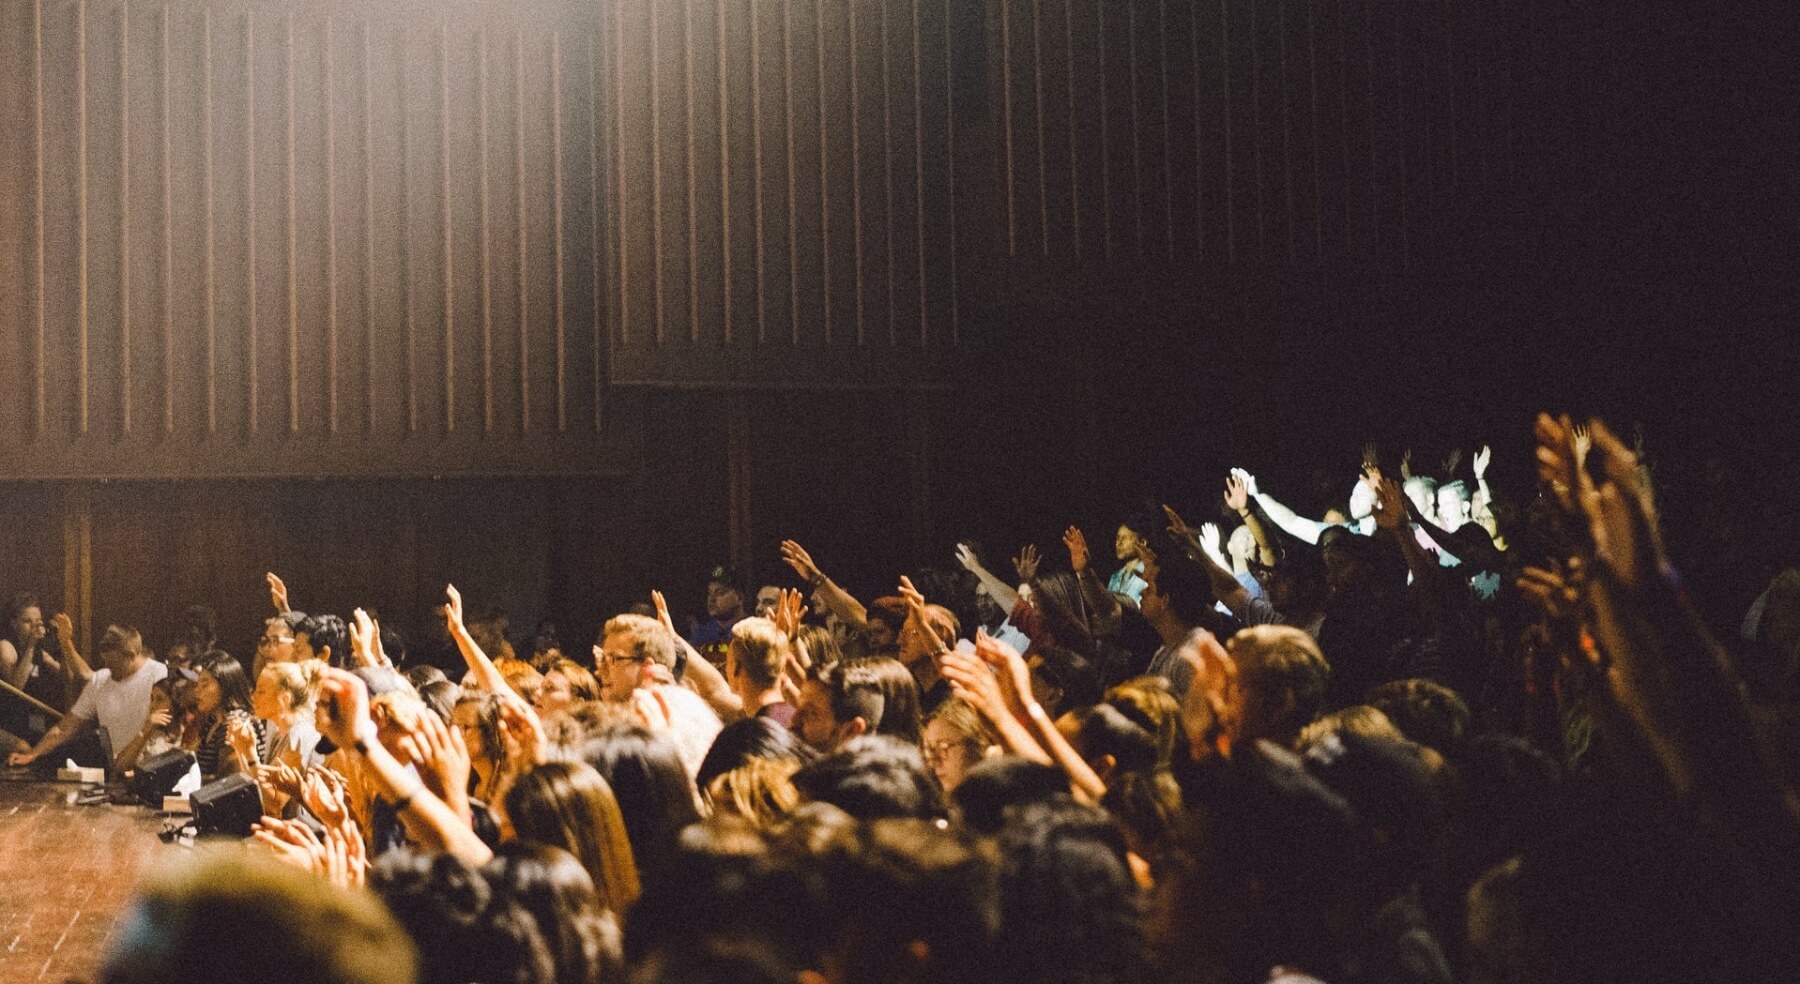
pixel 322 653
pixel 856 727
pixel 1107 765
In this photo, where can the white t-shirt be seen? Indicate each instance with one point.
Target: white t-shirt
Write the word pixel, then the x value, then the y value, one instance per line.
pixel 119 706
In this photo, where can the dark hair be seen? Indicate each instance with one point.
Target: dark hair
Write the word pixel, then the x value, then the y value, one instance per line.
pixel 1188 589
pixel 423 674
pixel 487 720
pixel 382 680
pixel 873 777
pixel 752 738
pixel 548 882
pixel 1071 673
pixel 1070 909
pixel 16 605
pixel 328 632
pixel 1425 711
pixel 1104 730
pixel 234 683
pixel 654 792
pixel 878 689
pixel 995 784
pixel 465 931
pixel 441 696
pixel 199 627
pixel 1392 790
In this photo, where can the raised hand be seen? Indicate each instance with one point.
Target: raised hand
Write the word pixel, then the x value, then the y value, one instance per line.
pixel 241 735
pixel 284 780
pixel 1621 513
pixel 796 557
pixel 1010 669
pixel 1559 460
pixel 1237 492
pixel 789 610
pixel 1557 590
pixel 1406 464
pixel 1451 461
pixel 278 593
pixel 662 614
pixel 345 859
pixel 1371 455
pixel 1390 504
pixel 1178 527
pixel 1245 477
pixel 971 680
pixel 1026 563
pixel 64 627
pixel 519 722
pixel 1584 442
pixel 453 609
pixel 363 639
pixel 966 557
pixel 1078 549
pixel 346 701
pixel 322 792
pixel 1480 462
pixel 290 843
pixel 1210 541
pixel 441 756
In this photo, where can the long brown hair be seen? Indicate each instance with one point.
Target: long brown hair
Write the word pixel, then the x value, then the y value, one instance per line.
pixel 571 806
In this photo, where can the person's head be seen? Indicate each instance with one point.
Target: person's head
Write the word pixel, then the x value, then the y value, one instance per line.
pixel 652 786
pixel 222 686
pixel 477 716
pixel 821 646
pixel 1131 537
pixel 760 792
pixel 566 683
pixel 465 930
pixel 996 785
pixel 1423 492
pixel 1452 501
pixel 956 738
pixel 423 674
pixel 1425 711
pixel 1296 586
pixel 1362 502
pixel 1110 742
pixel 22 623
pixel 745 741
pixel 284 690
pixel 581 933
pixel 440 697
pixel 1352 561
pixel 213 918
pixel 1281 678
pixel 1180 592
pixel 876 695
pixel 569 805
pixel 323 637
pixel 871 778
pixel 755 658
pixel 1359 718
pixel 628 645
pixel 724 595
pixel 1070 908
pixel 1391 787
pixel 1147 702
pixel 1241 544
pixel 276 644
pixel 927 641
pixel 1062 678
pixel 120 648
pixel 768 598
pixel 912 902
pixel 886 616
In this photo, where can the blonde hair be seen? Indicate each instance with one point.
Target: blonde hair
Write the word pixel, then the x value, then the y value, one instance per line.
pixel 761 650
pixel 1359 719
pixel 521 676
pixel 299 681
pixel 760 791
pixel 571 806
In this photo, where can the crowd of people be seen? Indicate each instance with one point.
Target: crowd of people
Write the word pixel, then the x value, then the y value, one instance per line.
pixel 1430 736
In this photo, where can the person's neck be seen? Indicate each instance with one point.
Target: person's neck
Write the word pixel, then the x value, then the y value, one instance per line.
pixel 766 698
pixel 1239 565
pixel 1130 564
pixel 1170 629
pixel 127 669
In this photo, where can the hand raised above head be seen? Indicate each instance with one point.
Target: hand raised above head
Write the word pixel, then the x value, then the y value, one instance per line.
pixel 1076 542
pixel 1026 563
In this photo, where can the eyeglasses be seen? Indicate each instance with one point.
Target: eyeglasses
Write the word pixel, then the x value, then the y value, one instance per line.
pixel 604 659
pixel 938 751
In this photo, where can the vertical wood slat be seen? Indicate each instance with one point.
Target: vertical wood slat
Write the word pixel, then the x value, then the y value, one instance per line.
pixel 368 235
pixel 1287 138
pixel 81 208
pixel 598 334
pixel 331 292
pixel 448 230
pixel 918 44
pixel 622 237
pixel 656 187
pixel 1037 86
pixel 209 275
pixel 1168 141
pixel 793 244
pixel 756 150
pixel 293 221
pixel 692 163
pixel 950 161
pixel 1105 132
pixel 523 233
pixel 856 198
pixel 1199 155
pixel 408 297
pixel 253 364
pixel 125 220
pixel 1073 118
pixel 487 238
pixel 887 170
pixel 1228 158
pixel 168 242
pixel 1006 123
pixel 557 231
pixel 824 175
pixel 1137 140
pixel 40 340
pixel 724 175
pixel 1256 138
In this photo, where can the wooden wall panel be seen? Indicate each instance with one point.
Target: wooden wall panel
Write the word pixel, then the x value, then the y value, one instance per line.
pixel 333 238
pixel 784 180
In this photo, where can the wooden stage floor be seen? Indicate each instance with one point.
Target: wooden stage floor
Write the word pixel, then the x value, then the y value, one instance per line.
pixel 66 872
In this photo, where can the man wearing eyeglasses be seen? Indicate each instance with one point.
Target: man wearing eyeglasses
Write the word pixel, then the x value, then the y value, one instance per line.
pixel 631 648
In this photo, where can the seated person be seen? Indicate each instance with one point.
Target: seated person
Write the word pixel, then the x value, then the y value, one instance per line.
pixel 116 700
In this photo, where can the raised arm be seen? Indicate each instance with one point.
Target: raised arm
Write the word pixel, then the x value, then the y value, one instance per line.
pixel 1004 594
pixel 1226 587
pixel 1237 499
pixel 835 599
pixel 1291 523
pixel 697 674
pixel 486 673
pixel 76 670
pixel 1104 608
pixel 278 593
